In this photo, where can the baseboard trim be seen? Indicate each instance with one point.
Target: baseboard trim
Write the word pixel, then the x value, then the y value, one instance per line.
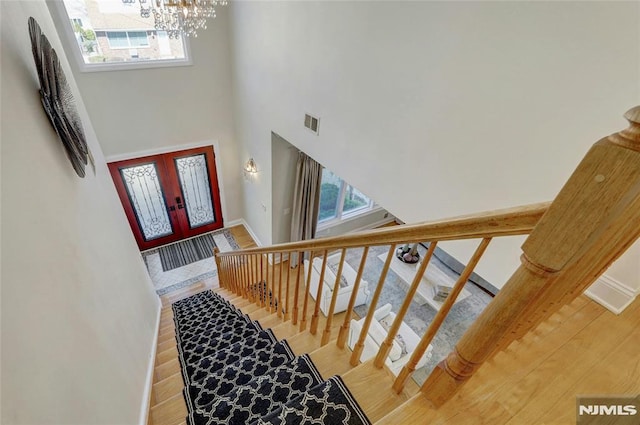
pixel 459 267
pixel 374 225
pixel 146 395
pixel 612 294
pixel 232 223
pixel 251 232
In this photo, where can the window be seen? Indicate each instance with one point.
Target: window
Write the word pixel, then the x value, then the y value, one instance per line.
pixel 112 35
pixel 127 39
pixel 340 200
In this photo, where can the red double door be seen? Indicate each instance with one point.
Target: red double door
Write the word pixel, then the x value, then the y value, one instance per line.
pixel 169 197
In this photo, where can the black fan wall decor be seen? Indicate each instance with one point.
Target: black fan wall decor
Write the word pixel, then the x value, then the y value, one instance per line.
pixel 57 100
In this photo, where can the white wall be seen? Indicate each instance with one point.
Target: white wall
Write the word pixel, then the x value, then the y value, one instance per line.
pixel 146 110
pixel 78 311
pixel 485 104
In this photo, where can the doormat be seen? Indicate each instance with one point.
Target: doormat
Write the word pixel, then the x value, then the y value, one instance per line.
pixel 189 251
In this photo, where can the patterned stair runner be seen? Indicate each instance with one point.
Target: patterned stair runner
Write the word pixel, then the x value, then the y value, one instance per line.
pixel 237 373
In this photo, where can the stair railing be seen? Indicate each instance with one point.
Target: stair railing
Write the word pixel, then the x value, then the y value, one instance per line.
pixel 592 221
pixel 508 222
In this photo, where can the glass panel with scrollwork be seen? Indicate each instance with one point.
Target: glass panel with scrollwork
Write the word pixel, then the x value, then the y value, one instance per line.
pixel 146 196
pixel 193 175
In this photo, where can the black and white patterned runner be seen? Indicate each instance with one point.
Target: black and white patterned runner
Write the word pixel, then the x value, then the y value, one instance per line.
pixel 237 373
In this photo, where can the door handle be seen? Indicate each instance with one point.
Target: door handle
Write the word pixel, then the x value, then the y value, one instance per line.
pixel 178 200
pixel 180 206
pixel 172 208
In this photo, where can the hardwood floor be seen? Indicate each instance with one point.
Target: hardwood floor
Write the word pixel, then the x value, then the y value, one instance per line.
pixel 582 349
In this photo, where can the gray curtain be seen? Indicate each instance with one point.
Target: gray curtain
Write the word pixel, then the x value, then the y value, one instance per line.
pixel 306 199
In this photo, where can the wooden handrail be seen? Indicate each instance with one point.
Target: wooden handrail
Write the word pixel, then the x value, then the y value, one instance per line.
pixel 505 222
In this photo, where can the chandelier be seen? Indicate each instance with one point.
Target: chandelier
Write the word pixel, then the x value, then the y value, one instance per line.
pixel 178 17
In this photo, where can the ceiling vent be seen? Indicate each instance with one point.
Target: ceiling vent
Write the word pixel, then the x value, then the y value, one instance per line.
pixel 312 123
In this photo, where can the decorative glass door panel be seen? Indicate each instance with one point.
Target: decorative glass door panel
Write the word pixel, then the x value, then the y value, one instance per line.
pixel 170 196
pixel 147 199
pixel 193 177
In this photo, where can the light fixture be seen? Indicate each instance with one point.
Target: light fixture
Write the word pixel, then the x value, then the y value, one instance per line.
pixel 178 17
pixel 250 168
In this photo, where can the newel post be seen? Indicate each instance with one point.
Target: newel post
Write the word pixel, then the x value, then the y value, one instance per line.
pixel 592 221
pixel 216 251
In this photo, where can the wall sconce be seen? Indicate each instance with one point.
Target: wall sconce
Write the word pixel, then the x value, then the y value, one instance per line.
pixel 250 169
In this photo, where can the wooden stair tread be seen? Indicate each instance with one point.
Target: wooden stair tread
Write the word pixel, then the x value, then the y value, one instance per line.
pixel 304 342
pixel 167 369
pixel 331 360
pixel 269 321
pixel 285 330
pixel 166 355
pixel 416 410
pixel 170 412
pixel 167 388
pixel 259 314
pixel 371 387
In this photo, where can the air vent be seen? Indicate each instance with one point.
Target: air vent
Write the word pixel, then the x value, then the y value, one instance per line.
pixel 311 123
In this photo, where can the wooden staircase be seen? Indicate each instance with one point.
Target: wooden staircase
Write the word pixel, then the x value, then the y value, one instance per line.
pixel 539 342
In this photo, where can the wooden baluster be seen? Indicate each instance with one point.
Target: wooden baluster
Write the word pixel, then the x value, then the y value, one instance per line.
pixel 236 280
pixel 303 320
pixel 385 347
pixel 359 346
pixel 255 285
pixel 241 275
pixel 250 277
pixel 426 339
pixel 280 308
pixel 247 278
pixel 287 313
pixel 245 293
pixel 224 278
pixel 297 288
pixel 231 270
pixel 238 268
pixel 334 298
pixel 344 329
pixel 263 283
pixel 316 311
pixel 272 290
